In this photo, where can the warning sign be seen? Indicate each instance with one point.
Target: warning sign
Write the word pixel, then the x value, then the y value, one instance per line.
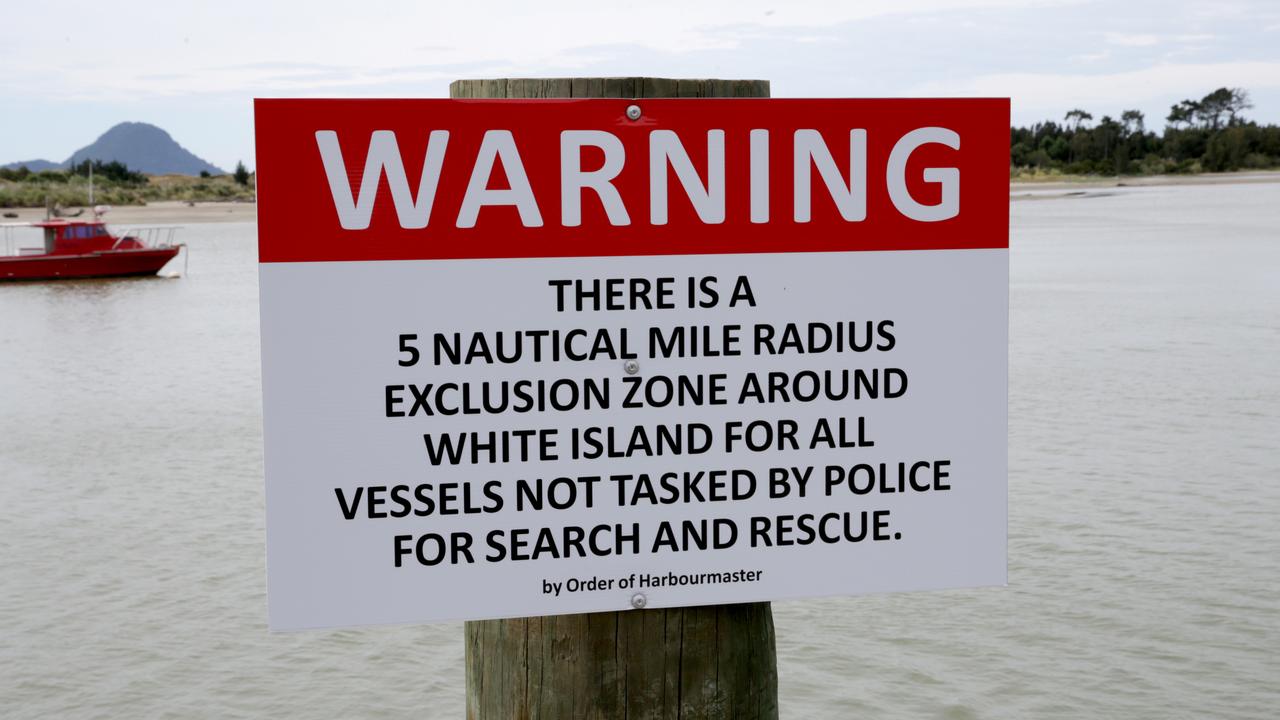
pixel 531 357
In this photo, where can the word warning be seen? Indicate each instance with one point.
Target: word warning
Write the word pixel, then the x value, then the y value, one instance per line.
pixel 530 357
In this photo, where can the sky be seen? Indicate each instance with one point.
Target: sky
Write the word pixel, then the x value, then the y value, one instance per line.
pixel 69 70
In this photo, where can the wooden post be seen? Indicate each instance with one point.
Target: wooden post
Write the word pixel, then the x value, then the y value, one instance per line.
pixel 697 662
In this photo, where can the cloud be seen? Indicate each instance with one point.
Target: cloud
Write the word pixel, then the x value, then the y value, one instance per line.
pixel 1093 57
pixel 1129 40
pixel 361 42
pixel 1045 93
pixel 1141 40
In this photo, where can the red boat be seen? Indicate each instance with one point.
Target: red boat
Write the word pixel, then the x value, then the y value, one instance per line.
pixel 86 249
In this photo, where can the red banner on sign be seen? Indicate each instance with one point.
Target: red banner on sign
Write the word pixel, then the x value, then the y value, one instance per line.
pixel 437 179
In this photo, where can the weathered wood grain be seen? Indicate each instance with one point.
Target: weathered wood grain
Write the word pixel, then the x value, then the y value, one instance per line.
pixel 620 87
pixel 698 662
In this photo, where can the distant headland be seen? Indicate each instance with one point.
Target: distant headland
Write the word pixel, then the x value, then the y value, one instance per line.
pixel 132 163
pixel 141 147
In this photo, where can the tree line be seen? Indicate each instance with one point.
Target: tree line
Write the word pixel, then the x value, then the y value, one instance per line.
pixel 115 183
pixel 108 172
pixel 113 172
pixel 1209 134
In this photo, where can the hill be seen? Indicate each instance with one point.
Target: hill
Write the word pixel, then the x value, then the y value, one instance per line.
pixel 34 165
pixel 144 148
pixel 141 146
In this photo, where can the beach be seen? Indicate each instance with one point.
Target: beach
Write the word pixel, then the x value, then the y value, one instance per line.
pixel 157 213
pixel 1071 186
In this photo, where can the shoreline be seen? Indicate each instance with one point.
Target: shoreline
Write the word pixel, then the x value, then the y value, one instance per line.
pixel 1065 186
pixel 167 212
pixel 175 212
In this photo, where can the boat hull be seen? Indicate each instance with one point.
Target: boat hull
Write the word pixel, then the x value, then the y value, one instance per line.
pixel 106 263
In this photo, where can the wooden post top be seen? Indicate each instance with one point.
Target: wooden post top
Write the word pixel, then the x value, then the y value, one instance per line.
pixel 619 87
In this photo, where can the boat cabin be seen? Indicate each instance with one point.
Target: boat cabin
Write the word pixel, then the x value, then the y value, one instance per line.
pixel 77 237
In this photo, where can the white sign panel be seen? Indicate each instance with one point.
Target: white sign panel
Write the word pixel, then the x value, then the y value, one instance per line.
pixel 525 429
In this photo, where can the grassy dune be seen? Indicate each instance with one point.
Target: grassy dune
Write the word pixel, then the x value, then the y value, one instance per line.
pixel 73 190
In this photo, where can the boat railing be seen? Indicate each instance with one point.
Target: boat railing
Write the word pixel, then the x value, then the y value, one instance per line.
pixel 157 236
pixel 9 234
pixel 152 236
pixel 10 241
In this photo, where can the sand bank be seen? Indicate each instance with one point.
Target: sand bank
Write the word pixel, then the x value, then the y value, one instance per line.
pixel 158 213
pixel 1080 185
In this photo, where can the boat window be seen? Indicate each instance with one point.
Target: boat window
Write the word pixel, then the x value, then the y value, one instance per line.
pixel 98 231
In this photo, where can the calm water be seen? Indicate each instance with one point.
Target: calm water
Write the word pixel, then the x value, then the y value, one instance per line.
pixel 1144 528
